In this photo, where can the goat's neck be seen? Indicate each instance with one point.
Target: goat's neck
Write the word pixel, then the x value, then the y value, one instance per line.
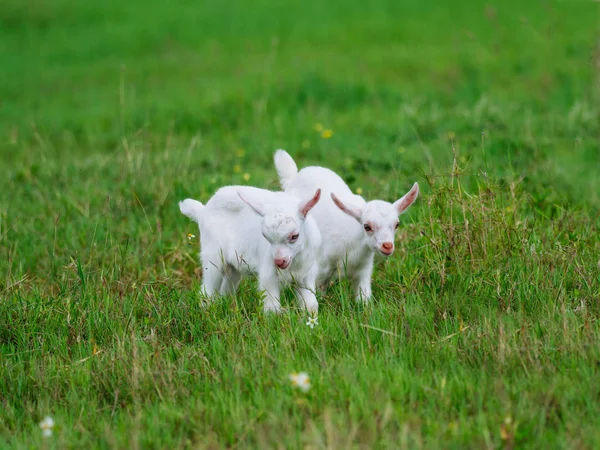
pixel 360 252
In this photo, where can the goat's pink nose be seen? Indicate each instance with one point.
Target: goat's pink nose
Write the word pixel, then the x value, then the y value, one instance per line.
pixel 387 248
pixel 282 263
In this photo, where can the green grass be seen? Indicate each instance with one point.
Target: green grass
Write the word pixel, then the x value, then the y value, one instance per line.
pixel 483 331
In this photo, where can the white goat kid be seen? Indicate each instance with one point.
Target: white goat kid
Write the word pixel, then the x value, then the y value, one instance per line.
pixel 249 230
pixel 353 232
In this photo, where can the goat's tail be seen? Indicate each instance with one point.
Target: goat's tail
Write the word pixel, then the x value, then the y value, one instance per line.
pixel 286 167
pixel 191 208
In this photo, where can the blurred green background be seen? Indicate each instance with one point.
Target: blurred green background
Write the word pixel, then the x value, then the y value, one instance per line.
pixel 87 73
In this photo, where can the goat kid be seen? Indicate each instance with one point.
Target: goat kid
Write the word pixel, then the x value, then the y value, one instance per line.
pixel 247 230
pixel 354 231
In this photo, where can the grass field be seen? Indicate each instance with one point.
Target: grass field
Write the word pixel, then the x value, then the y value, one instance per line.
pixel 483 332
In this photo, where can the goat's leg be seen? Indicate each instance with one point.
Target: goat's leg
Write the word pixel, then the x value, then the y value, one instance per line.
pixel 307 299
pixel 362 282
pixel 231 281
pixel 212 277
pixel 305 292
pixel 324 279
pixel 269 284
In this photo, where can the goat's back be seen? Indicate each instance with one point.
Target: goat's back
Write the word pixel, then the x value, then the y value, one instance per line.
pixel 338 230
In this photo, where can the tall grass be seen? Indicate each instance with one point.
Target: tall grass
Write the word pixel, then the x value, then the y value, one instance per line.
pixel 483 331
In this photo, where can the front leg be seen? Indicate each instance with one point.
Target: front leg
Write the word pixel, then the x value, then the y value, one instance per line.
pixel 269 284
pixel 362 282
pixel 307 299
pixel 305 290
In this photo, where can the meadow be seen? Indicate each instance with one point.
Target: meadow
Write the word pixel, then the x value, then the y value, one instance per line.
pixel 483 331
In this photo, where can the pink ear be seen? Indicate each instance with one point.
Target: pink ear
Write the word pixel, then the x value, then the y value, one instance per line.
pixel 348 209
pixel 403 204
pixel 306 207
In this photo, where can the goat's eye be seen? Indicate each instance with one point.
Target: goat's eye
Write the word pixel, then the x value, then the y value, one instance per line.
pixel 294 237
pixel 368 228
pixel 397 225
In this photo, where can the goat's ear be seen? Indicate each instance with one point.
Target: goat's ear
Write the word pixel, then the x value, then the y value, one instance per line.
pixel 403 204
pixel 253 203
pixel 309 204
pixel 352 210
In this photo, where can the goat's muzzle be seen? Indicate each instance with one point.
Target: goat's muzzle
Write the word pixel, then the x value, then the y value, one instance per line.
pixel 282 263
pixel 387 248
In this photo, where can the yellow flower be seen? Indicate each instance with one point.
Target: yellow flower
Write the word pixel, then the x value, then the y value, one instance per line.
pixel 327 134
pixel 305 143
pixel 319 127
pixel 506 429
pixel 190 236
pixel 246 177
pixel 401 150
pixel 240 152
pixel 453 427
pixel 237 168
pixel 359 191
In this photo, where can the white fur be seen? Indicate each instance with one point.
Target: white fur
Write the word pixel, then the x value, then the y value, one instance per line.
pixel 347 247
pixel 247 230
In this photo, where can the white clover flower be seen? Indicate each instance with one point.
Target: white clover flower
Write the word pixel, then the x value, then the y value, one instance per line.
pixel 301 381
pixel 312 321
pixel 46 425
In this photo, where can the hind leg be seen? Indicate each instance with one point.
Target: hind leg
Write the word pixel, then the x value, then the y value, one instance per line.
pixel 231 281
pixel 212 278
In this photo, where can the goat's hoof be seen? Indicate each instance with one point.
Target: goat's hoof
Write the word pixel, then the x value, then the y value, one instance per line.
pixel 312 309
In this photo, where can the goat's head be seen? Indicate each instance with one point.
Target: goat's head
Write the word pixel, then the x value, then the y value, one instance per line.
pixel 378 219
pixel 283 225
